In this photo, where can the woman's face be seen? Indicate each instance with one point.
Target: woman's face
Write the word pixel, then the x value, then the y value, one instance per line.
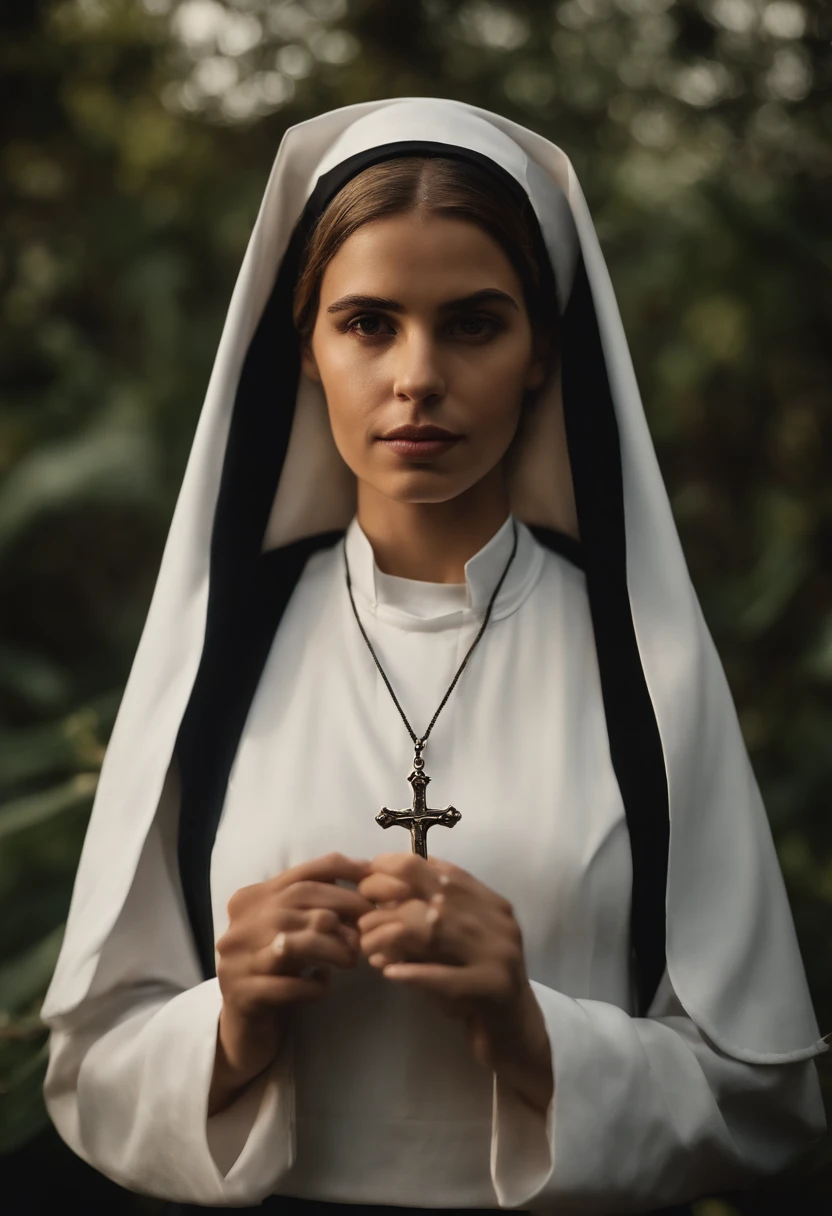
pixel 422 321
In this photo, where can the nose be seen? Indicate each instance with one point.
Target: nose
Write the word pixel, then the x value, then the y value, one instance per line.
pixel 418 373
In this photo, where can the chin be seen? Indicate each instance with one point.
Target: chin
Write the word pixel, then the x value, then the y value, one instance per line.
pixel 424 486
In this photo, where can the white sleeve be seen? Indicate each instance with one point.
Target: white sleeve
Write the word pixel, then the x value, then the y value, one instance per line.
pixel 645 1113
pixel 130 1068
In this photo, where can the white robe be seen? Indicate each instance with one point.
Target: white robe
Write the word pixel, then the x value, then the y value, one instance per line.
pixel 375 1097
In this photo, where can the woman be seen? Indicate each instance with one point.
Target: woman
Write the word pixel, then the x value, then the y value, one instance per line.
pixel 589 995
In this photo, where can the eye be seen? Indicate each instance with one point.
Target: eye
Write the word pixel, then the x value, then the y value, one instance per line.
pixel 477 326
pixel 369 325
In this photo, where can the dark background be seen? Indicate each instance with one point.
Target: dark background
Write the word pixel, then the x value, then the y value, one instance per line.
pixel 136 143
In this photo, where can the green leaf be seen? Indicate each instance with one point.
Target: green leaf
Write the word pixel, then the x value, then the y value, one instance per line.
pixel 58 748
pixel 25 813
pixel 24 979
pixel 113 461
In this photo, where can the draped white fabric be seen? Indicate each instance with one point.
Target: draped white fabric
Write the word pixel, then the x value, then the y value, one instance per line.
pixel 376 1096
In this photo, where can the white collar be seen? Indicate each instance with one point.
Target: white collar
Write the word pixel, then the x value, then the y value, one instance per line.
pixel 413 604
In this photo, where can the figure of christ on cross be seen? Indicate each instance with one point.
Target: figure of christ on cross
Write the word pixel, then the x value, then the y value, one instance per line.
pixel 419 817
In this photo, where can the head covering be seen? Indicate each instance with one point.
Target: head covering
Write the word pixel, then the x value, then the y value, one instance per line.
pixel 265 486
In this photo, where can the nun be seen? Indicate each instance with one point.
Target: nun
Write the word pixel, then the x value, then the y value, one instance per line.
pixel 427 869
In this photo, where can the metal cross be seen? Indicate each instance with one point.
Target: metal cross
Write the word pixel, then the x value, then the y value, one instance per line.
pixel 419 817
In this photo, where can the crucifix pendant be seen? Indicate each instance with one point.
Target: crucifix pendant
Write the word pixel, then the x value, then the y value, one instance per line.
pixel 419 817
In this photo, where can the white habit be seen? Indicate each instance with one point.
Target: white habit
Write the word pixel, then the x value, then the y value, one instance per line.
pixel 376 1097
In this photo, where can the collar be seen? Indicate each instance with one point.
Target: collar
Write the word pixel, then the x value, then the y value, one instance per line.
pixel 413 604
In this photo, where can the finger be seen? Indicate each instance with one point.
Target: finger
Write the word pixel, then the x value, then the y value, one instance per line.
pixel 267 991
pixel 242 935
pixel 322 920
pixel 348 905
pixel 384 888
pixel 455 881
pixel 408 933
pixel 392 944
pixel 328 869
pixel 457 983
pixel 379 916
pixel 299 951
pixel 434 931
pixel 290 952
pixel 414 912
pixel 409 868
pixel 326 920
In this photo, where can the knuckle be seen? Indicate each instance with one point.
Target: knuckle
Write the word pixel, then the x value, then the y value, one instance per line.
pixel 403 865
pixel 451 884
pixel 296 893
pixel 238 902
pixel 284 906
pixel 450 875
pixel 284 944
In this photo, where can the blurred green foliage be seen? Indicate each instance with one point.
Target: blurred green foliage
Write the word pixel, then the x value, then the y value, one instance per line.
pixel 137 141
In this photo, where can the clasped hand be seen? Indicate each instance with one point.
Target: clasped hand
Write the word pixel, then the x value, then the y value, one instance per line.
pixel 437 927
pixel 422 922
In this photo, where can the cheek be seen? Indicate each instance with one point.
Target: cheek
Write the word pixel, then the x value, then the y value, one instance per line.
pixel 352 387
pixel 343 377
pixel 493 382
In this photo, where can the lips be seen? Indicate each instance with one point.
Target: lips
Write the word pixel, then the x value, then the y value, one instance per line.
pixel 417 434
pixel 420 450
pixel 419 442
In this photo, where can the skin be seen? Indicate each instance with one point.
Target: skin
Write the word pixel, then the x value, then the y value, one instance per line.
pixel 465 369
pixel 425 923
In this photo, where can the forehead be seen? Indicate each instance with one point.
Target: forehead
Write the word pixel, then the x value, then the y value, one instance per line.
pixel 420 254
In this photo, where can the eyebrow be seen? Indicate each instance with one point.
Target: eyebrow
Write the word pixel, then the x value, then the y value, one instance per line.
pixel 477 297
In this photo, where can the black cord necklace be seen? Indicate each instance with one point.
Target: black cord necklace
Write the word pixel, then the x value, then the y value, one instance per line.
pixel 419 817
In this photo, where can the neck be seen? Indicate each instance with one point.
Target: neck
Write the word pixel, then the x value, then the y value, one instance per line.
pixel 432 541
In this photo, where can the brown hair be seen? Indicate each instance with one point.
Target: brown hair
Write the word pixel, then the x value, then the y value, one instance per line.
pixel 448 186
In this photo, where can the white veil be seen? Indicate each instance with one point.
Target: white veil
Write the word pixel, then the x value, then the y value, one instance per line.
pixel 731 951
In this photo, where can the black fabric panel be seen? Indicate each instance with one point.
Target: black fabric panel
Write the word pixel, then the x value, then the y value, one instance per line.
pixel 330 183
pixel 249 591
pixel 560 543
pixel 635 745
